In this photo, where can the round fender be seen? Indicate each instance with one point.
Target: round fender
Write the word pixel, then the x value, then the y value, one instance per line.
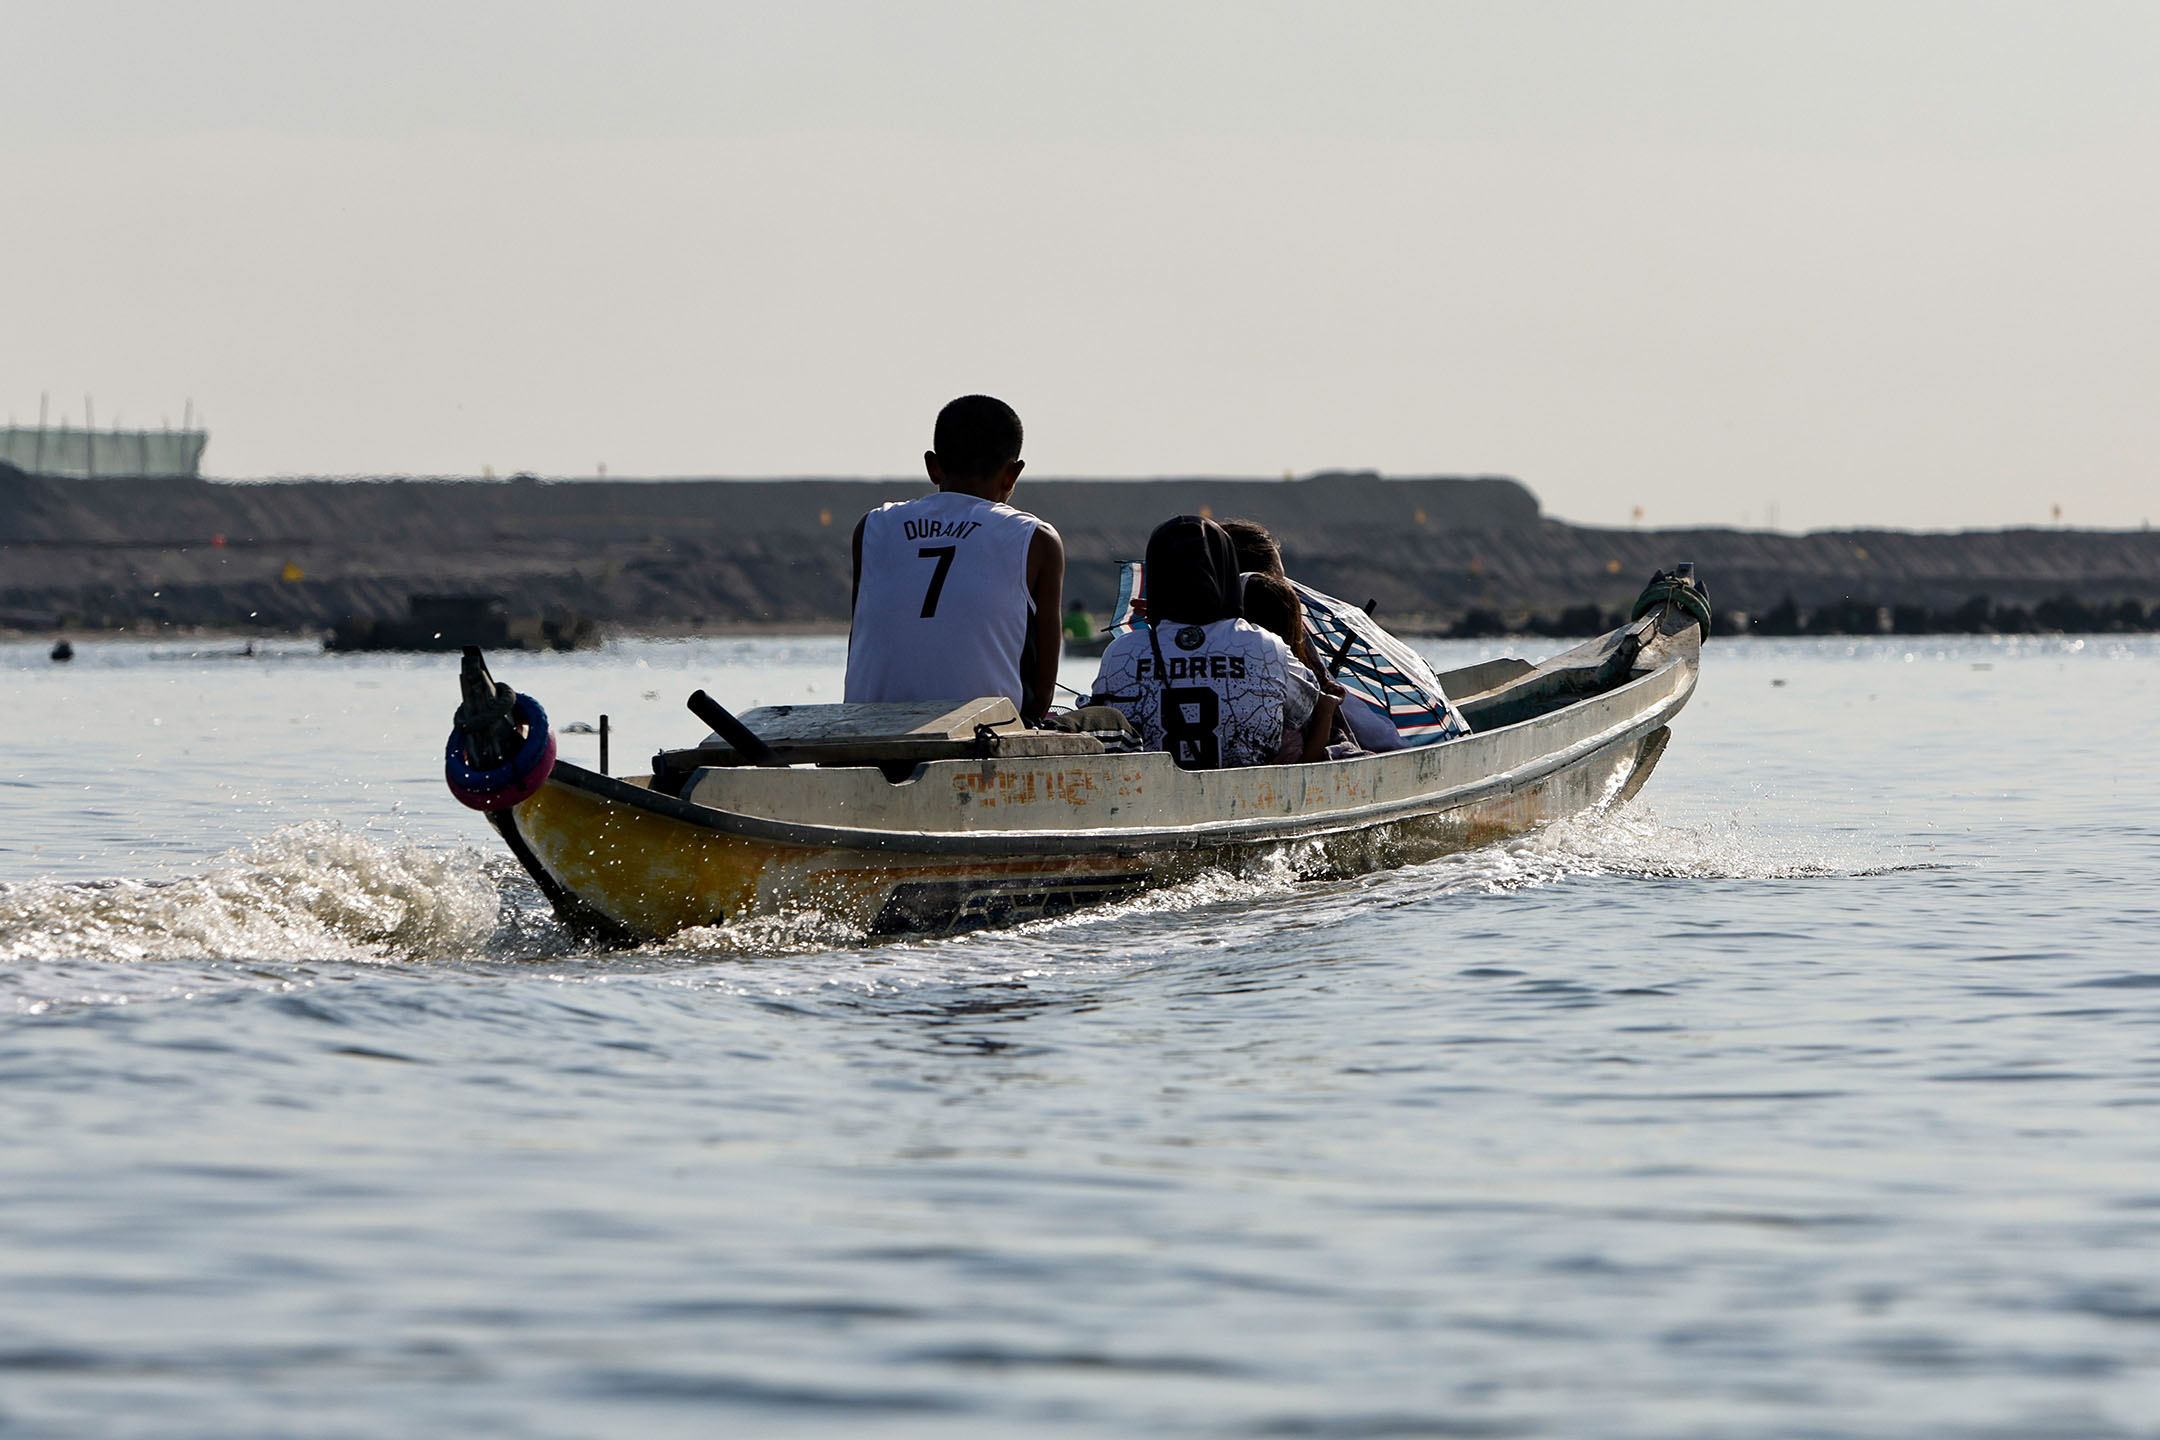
pixel 517 791
pixel 503 785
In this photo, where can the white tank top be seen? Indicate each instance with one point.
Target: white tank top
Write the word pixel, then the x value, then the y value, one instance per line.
pixel 942 607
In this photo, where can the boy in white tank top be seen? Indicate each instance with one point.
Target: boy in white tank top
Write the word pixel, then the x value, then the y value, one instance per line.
pixel 957 594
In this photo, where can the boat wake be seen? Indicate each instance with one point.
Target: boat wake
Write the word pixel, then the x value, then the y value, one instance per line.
pixel 1634 842
pixel 316 893
pixel 1217 928
pixel 1631 843
pixel 799 931
pixel 306 892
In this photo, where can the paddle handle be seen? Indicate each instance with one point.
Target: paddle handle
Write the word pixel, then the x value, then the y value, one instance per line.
pixel 732 730
pixel 1342 651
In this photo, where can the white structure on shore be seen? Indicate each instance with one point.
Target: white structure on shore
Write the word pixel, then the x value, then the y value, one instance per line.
pixel 76 454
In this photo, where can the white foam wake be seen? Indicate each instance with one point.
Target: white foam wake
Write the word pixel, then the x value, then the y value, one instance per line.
pixel 1633 841
pixel 313 891
pixel 1252 905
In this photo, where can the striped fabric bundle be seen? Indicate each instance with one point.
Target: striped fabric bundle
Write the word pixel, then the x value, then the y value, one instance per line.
pixel 1380 669
pixel 1375 666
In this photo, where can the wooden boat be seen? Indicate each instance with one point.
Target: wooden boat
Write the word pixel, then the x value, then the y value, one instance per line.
pixel 947 817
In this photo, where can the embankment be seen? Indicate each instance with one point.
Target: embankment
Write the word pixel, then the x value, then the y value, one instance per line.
pixel 715 553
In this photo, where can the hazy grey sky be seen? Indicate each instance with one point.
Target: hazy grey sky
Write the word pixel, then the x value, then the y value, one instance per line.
pixel 1869 263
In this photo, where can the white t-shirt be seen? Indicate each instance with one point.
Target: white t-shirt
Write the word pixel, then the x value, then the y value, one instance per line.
pixel 1232 688
pixel 942 605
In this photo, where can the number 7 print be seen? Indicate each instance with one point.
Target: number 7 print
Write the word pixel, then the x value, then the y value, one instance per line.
pixel 943 555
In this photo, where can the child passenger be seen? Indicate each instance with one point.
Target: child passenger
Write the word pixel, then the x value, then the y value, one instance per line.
pixel 1358 726
pixel 1270 603
pixel 1257 553
pixel 957 594
pixel 1212 689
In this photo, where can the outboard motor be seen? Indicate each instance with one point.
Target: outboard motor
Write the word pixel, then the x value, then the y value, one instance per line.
pixel 500 750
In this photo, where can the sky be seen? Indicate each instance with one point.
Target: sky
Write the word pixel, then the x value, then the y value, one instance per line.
pixel 1811 265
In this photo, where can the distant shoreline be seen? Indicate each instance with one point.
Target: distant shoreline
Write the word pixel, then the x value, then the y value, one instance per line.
pixel 1468 556
pixel 1864 622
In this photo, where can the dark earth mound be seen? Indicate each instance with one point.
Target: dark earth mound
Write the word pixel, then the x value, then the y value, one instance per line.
pixel 1471 554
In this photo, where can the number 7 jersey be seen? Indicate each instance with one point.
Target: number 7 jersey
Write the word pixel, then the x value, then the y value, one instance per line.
pixel 942 606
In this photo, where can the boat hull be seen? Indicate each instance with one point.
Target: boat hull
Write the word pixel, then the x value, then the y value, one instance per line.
pixel 963 844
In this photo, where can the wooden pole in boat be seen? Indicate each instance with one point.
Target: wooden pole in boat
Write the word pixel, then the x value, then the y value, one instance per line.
pixel 732 730
pixel 1342 651
pixel 603 744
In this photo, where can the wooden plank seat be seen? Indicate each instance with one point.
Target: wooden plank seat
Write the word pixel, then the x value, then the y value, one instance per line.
pixel 890 734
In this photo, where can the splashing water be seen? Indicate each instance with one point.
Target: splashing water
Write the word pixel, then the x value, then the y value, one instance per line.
pixel 316 891
pixel 313 890
pixel 804 951
pixel 1632 841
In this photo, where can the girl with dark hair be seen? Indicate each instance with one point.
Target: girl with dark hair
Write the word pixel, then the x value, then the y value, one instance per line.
pixel 1270 603
pixel 1212 689
pixel 1357 729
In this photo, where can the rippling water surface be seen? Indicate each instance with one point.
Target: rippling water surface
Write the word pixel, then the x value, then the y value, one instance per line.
pixel 1813 1095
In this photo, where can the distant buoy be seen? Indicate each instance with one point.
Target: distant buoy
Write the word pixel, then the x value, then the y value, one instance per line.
pixel 61 650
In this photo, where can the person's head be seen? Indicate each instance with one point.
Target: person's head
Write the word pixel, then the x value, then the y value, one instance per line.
pixel 1191 573
pixel 976 447
pixel 1256 548
pixel 1271 604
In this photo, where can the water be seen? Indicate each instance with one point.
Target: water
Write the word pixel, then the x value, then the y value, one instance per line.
pixel 1812 1096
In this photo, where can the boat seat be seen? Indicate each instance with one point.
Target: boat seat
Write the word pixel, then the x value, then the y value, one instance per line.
pixel 894 735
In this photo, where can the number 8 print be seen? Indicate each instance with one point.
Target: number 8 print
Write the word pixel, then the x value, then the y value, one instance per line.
pixel 1189 713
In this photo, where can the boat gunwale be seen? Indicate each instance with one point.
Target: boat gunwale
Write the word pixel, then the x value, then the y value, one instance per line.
pixel 1203 835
